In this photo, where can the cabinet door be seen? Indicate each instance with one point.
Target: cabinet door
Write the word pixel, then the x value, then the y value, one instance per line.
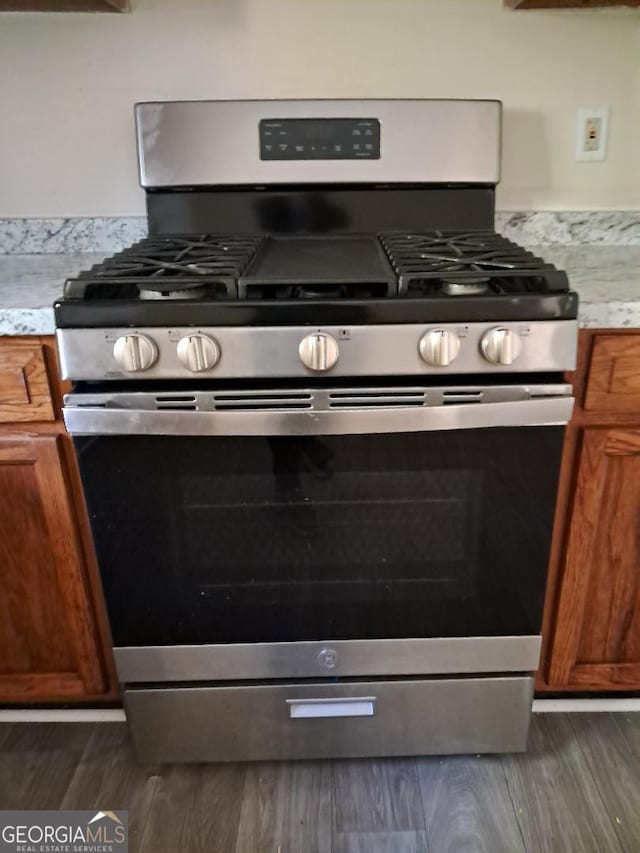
pixel 597 633
pixel 48 643
pixel 614 374
pixel 24 386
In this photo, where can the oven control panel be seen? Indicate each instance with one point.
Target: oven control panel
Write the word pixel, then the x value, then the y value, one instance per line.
pixel 300 351
pixel 320 139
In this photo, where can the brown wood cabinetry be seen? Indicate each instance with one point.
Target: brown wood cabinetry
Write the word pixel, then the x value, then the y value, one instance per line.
pixel 592 618
pixel 53 633
pixel 24 384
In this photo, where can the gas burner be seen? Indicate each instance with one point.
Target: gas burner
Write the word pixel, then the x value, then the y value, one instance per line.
pixel 171 267
pixel 467 264
pixel 310 292
pixel 466 288
pixel 193 291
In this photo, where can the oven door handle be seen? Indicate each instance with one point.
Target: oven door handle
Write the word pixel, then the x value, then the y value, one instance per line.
pixel 87 419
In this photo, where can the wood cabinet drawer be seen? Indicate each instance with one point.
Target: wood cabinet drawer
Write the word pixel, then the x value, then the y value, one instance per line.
pixel 24 386
pixel 614 374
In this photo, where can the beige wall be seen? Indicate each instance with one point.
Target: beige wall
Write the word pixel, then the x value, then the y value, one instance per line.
pixel 68 82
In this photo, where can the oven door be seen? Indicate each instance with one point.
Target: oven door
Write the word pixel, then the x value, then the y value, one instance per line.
pixel 337 532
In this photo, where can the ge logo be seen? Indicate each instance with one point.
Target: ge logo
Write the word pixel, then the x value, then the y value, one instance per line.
pixel 328 658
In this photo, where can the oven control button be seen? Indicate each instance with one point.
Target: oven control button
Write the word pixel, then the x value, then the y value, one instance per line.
pixel 439 347
pixel 501 346
pixel 198 353
pixel 318 351
pixel 135 352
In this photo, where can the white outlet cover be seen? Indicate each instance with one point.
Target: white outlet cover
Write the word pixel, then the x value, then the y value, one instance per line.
pixel 584 115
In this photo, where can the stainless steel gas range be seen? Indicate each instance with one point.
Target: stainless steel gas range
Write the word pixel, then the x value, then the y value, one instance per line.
pixel 318 414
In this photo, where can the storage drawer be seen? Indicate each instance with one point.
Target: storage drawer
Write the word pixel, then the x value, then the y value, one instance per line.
pixel 369 718
pixel 24 386
pixel 613 384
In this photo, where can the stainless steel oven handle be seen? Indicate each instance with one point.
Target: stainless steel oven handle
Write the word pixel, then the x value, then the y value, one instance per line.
pixel 536 411
pixel 337 706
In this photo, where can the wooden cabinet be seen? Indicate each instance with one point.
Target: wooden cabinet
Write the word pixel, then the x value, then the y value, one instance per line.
pixel 613 380
pixel 47 635
pixel 24 384
pixel 592 615
pixel 53 636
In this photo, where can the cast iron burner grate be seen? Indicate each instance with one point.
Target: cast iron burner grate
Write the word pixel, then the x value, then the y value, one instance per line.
pixel 332 268
pixel 176 267
pixel 448 263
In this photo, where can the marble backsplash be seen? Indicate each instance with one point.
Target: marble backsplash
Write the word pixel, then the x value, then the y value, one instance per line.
pixel 65 235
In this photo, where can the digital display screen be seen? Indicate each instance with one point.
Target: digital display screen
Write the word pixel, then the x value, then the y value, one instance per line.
pixel 316 130
pixel 320 139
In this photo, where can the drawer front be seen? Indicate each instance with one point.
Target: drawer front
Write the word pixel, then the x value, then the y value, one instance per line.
pixel 372 718
pixel 24 386
pixel 614 374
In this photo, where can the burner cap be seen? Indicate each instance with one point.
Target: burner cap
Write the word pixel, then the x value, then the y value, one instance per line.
pixel 169 290
pixel 465 287
pixel 311 291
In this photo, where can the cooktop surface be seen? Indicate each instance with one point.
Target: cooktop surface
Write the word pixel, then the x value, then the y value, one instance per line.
pixel 420 276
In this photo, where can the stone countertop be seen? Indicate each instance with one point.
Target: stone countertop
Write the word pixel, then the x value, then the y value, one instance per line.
pixel 606 277
pixel 29 285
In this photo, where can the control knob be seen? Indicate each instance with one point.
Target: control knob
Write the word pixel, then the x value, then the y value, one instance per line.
pixel 318 351
pixel 501 346
pixel 439 347
pixel 135 352
pixel 198 352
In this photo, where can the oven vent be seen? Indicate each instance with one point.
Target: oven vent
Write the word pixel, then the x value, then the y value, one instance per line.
pixel 383 398
pixel 180 403
pixel 459 397
pixel 267 401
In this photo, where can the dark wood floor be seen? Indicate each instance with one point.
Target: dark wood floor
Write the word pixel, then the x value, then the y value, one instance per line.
pixel 576 790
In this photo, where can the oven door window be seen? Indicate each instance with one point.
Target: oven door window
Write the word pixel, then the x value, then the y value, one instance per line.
pixel 223 540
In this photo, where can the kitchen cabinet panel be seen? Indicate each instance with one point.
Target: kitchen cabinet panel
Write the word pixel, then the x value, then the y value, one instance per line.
pixel 614 374
pixel 597 635
pixel 49 646
pixel 24 385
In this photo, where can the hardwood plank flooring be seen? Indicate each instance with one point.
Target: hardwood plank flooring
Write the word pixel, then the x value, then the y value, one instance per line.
pixel 378 795
pixel 195 808
pixel 404 841
pixel 576 790
pixel 38 761
pixel 555 797
pixel 109 773
pixel 467 805
pixel 286 806
pixel 609 757
pixel 629 725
